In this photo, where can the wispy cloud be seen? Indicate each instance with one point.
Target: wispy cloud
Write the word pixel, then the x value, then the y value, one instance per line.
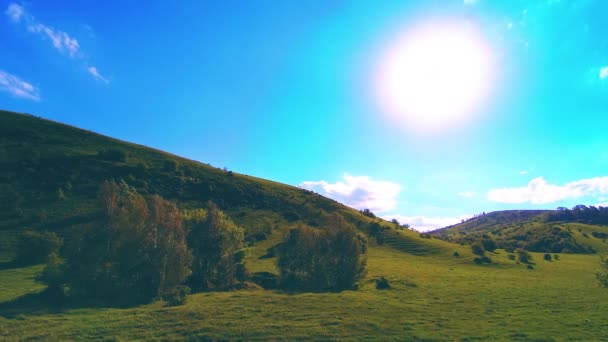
pixel 18 87
pixel 603 204
pixel 426 223
pixel 14 12
pixel 359 192
pixel 604 72
pixel 93 71
pixel 469 2
pixel 61 40
pixel 539 191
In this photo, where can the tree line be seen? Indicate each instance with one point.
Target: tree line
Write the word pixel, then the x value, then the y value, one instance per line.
pixel 145 248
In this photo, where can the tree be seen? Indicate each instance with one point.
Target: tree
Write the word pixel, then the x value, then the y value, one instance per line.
pixel 329 259
pixel 477 248
pixel 218 251
pixel 602 274
pixel 35 247
pixel 136 252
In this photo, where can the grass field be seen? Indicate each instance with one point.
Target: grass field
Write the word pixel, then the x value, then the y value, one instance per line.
pixel 433 297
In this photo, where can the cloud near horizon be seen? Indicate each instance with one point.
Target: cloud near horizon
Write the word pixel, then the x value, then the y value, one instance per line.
pixel 604 72
pixel 539 191
pixel 360 192
pixel 61 41
pixel 426 223
pixel 18 87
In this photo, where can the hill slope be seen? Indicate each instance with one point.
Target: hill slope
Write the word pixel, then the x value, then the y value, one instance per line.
pixel 534 230
pixel 54 171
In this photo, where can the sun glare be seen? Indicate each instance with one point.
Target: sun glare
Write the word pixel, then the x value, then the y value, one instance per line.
pixel 434 76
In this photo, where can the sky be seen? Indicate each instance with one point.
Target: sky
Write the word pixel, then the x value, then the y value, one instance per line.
pixel 424 111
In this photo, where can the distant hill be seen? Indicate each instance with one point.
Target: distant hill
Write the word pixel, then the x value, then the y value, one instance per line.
pixel 554 231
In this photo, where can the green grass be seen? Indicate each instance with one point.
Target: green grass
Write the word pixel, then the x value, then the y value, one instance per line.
pixel 437 297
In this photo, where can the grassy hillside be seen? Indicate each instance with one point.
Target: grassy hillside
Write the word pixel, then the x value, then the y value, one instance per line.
pixel 54 171
pixel 529 229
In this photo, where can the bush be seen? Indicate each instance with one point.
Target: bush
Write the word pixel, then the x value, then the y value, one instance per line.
pixel 511 256
pixel 482 260
pixel 330 259
pixel 547 257
pixel 602 274
pixel 456 254
pixel 477 249
pixel 530 267
pixel 382 284
pixel 523 255
pixel 35 247
pixel 266 280
pixel 489 245
pixel 425 236
pixel 555 257
pixel 177 295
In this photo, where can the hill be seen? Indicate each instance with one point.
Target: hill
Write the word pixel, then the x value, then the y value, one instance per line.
pixel 551 231
pixel 54 172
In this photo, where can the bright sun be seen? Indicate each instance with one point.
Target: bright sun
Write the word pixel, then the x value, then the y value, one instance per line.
pixel 436 75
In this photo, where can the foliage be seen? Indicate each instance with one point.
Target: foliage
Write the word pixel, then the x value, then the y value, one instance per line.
pixel 547 257
pixel 35 247
pixel 523 255
pixel 136 252
pixel 382 284
pixel 477 249
pixel 483 260
pixel 177 295
pixel 456 254
pixel 602 274
pixel 217 245
pixel 330 259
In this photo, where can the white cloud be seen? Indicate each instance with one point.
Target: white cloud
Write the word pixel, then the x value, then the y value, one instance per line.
pixel 14 12
pixel 60 40
pixel 539 191
pixel 523 173
pixel 93 71
pixel 469 2
pixel 467 194
pixel 603 204
pixel 18 87
pixel 426 223
pixel 359 192
pixel 604 72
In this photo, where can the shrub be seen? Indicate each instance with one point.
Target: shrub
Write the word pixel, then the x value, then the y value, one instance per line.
pixel 217 245
pixel 177 295
pixel 382 284
pixel 35 247
pixel 547 257
pixel 330 259
pixel 425 236
pixel 523 255
pixel 530 267
pixel 602 274
pixel 511 256
pixel 555 256
pixel 489 245
pixel 482 260
pixel 456 254
pixel 477 248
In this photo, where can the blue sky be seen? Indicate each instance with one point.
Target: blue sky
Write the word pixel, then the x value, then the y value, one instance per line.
pixel 287 90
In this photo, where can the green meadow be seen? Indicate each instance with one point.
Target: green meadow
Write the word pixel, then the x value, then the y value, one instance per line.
pixel 433 297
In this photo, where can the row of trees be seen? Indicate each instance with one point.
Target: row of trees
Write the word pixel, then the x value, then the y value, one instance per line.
pixel 580 213
pixel 142 249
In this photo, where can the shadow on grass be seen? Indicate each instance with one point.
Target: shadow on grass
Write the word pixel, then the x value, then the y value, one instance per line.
pixel 45 302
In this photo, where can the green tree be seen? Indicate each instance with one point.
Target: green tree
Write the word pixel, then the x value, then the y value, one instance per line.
pixel 218 249
pixel 602 274
pixel 136 252
pixel 329 259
